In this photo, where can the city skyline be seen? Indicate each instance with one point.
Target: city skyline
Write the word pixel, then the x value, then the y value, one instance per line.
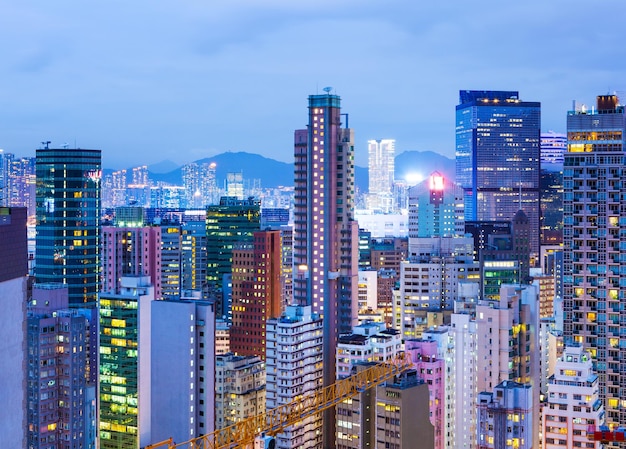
pixel 144 95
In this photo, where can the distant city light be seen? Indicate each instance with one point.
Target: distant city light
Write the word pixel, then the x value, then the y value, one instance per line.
pixel 413 178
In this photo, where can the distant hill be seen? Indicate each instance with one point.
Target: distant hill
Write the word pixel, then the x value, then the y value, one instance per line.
pixel 273 173
pixel 163 167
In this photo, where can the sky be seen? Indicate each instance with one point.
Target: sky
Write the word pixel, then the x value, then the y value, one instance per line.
pixel 147 81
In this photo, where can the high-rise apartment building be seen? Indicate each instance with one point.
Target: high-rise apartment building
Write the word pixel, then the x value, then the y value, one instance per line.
pixel 325 232
pixel 594 282
pixel 508 343
pixel 402 413
pixel 498 156
pixel 256 292
pixel 391 415
pixel 67 246
pixel 429 357
pixel 430 279
pixel 382 155
pixel 572 402
pixel 505 417
pixel 130 251
pixel 13 298
pixel 294 359
pixel 368 342
pixel 62 406
pixel 239 388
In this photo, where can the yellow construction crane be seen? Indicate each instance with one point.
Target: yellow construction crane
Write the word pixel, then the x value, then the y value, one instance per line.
pixel 243 433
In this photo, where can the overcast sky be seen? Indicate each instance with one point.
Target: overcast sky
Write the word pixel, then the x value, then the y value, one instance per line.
pixel 147 81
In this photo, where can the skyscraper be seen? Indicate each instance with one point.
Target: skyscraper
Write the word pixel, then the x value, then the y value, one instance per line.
pixel 498 156
pixel 381 167
pixel 256 292
pixel 67 245
pixel 325 232
pixel 594 282
pixel 231 222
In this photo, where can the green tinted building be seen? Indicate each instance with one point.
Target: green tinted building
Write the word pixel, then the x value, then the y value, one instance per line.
pixel 68 221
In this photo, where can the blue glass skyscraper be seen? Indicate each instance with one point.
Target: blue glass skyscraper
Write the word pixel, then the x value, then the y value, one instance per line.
pixel 498 157
pixel 67 245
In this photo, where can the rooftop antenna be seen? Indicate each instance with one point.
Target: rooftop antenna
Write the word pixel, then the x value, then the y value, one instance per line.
pixel 65 145
pixel 327 90
pixel 46 144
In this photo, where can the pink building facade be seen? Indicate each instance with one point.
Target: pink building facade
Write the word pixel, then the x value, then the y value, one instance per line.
pixel 130 251
pixel 431 368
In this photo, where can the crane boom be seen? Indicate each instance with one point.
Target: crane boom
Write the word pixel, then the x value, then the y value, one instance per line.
pixel 276 420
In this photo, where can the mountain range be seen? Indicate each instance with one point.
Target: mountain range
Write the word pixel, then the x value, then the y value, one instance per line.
pixel 409 165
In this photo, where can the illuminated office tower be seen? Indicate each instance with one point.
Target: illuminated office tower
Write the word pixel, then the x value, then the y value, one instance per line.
pixel 67 245
pixel 171 258
pixel 325 232
pixel 194 262
pixel 157 372
pixel 381 167
pixel 436 208
pixel 231 222
pixel 130 251
pixel 498 157
pixel 594 282
pixel 13 298
pixel 256 292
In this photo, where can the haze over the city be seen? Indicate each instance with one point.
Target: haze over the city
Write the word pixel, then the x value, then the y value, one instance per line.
pixel 148 81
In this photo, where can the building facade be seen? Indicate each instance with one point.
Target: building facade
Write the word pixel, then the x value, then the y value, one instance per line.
pixel 498 156
pixel 256 292
pixel 13 297
pixel 572 402
pixel 436 208
pixel 62 408
pixel 294 360
pixel 381 170
pixel 239 388
pixel 130 251
pixel 505 417
pixel 67 247
pixel 594 282
pixel 325 231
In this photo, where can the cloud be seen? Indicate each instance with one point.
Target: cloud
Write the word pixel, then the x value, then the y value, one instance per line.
pixel 153 80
